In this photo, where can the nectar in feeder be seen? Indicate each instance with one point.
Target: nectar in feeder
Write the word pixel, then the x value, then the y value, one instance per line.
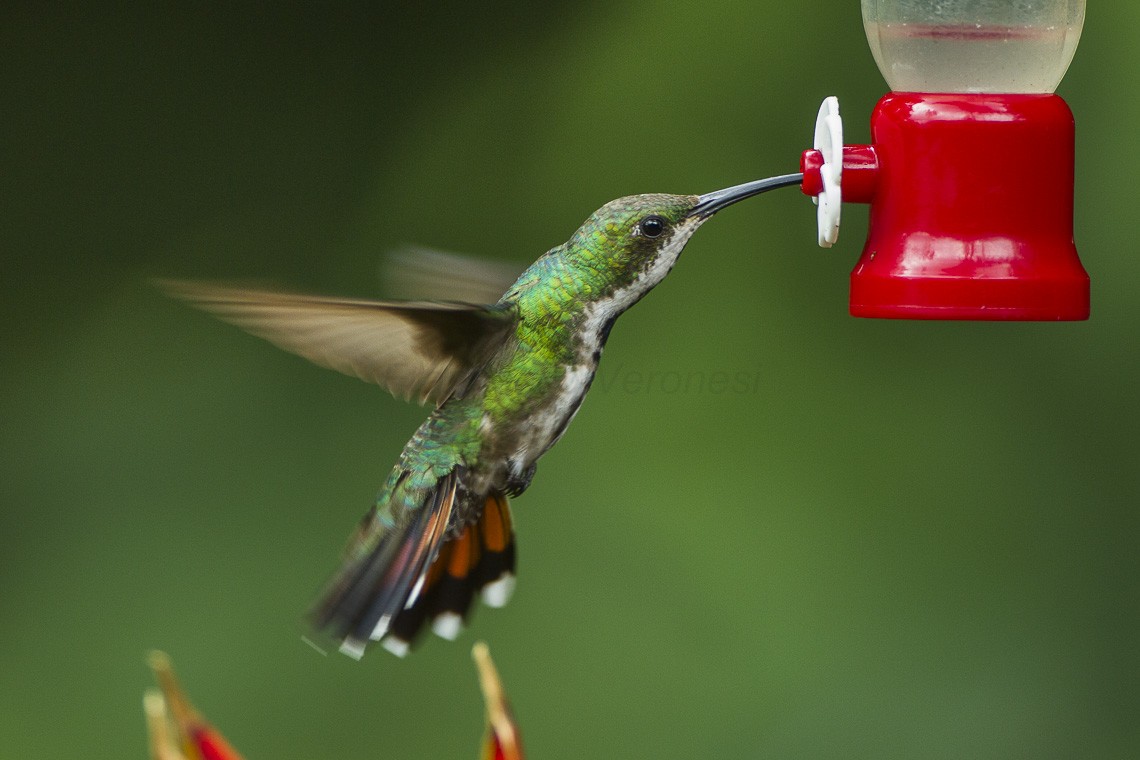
pixel 992 46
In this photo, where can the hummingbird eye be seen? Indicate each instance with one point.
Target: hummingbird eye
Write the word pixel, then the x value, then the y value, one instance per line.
pixel 652 226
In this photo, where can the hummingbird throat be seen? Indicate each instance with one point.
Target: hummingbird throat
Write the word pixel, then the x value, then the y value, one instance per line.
pixel 601 313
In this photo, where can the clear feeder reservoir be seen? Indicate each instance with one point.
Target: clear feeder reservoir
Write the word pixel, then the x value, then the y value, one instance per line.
pixel 973 46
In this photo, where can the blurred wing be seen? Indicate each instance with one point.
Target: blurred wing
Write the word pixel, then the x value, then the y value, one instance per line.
pixel 419 273
pixel 421 351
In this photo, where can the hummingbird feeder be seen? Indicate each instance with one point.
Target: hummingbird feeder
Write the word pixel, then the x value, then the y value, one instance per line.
pixel 969 173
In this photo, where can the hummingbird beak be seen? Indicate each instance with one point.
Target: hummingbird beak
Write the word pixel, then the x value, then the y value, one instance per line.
pixel 710 203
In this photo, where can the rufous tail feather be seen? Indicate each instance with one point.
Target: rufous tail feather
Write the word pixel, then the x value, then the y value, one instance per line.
pixel 480 559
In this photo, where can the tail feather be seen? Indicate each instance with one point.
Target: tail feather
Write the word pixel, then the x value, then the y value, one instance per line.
pixel 480 557
pixel 497 566
pixel 447 592
pixel 399 579
pixel 373 589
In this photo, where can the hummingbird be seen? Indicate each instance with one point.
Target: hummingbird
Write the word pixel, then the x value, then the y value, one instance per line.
pixel 504 379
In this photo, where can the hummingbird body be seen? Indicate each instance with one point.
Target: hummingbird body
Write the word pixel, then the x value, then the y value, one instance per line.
pixel 566 302
pixel 507 379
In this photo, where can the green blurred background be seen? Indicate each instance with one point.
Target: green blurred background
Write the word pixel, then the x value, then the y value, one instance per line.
pixel 901 539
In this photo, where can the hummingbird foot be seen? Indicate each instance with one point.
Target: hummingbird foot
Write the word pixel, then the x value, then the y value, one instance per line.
pixel 517 482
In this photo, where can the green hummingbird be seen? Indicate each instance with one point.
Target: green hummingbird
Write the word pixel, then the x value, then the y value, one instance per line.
pixel 505 380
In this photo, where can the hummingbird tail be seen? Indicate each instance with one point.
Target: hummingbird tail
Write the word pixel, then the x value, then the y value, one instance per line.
pixel 415 574
pixel 480 559
pixel 372 587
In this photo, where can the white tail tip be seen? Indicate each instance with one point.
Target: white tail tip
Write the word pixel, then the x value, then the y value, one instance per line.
pixel 447 625
pixel 498 593
pixel 398 647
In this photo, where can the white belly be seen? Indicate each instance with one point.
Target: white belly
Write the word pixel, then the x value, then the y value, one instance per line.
pixel 547 425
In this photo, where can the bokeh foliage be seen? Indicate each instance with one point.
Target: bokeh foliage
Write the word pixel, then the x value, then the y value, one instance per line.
pixel 894 540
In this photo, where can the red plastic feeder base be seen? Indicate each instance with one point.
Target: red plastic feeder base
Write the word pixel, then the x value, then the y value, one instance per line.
pixel 971 211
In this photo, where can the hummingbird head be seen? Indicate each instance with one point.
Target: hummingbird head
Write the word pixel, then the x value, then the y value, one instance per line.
pixel 635 239
pixel 632 243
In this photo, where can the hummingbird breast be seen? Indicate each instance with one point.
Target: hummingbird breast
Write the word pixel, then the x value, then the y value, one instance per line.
pixel 547 385
pixel 532 398
pixel 546 425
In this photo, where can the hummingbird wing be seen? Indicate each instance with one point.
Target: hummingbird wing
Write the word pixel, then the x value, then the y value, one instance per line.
pixel 419 273
pixel 417 350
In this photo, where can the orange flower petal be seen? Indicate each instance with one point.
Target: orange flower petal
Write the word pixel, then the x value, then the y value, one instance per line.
pixel 199 740
pixel 502 740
